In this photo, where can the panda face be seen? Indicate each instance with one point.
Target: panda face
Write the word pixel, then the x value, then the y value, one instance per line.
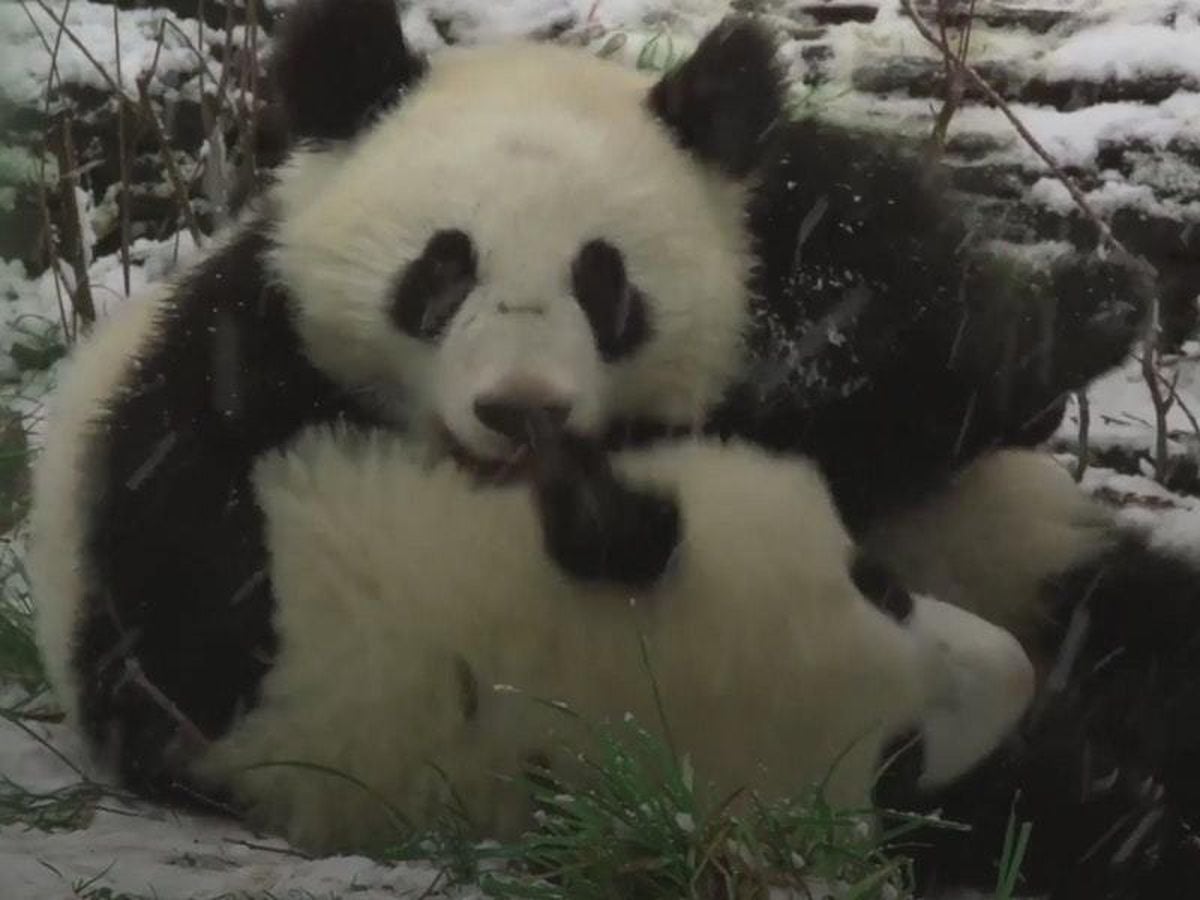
pixel 526 233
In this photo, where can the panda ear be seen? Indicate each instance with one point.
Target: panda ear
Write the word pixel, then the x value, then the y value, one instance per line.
pixel 337 63
pixel 723 100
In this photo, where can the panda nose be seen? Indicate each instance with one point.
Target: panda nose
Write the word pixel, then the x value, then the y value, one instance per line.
pixel 518 419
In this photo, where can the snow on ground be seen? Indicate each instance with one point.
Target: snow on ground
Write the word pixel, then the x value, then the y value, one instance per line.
pixel 26 31
pixel 147 851
pixel 1122 413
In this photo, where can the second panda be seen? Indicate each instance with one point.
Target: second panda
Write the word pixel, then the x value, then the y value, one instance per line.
pixel 423 639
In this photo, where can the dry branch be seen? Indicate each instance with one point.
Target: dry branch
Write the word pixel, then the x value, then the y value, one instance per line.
pixel 72 228
pixel 1108 240
pixel 170 166
pixel 1085 427
pixel 122 161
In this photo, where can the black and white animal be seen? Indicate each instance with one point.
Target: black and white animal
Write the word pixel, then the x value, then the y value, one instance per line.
pixel 1104 764
pixel 778 656
pixel 502 243
pixel 403 595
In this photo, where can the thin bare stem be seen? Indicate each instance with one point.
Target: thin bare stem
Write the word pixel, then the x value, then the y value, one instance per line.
pixel 955 86
pixel 196 49
pixel 52 252
pixel 251 101
pixel 988 91
pixel 122 160
pixel 61 22
pixel 1108 240
pixel 1085 423
pixel 182 202
pixel 137 676
pixel 68 181
pixel 1161 403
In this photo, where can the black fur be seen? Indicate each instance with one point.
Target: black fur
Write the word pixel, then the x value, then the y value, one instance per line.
pixel 177 630
pixel 722 102
pixel 339 63
pixel 615 308
pixel 877 583
pixel 902 765
pixel 1105 765
pixel 468 689
pixel 433 286
pixel 594 526
pixel 941 351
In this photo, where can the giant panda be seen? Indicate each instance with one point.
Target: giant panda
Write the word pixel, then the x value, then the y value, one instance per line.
pixel 418 630
pixel 776 655
pixel 499 248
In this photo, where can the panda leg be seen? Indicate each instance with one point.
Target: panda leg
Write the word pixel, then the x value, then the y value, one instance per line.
pixel 1104 766
pixel 595 527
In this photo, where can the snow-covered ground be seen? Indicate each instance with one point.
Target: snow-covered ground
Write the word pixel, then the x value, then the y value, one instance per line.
pixel 146 851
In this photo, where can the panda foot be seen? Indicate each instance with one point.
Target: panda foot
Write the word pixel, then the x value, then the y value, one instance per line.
pixel 593 526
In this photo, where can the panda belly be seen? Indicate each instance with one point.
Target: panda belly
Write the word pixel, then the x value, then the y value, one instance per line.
pixel 420 624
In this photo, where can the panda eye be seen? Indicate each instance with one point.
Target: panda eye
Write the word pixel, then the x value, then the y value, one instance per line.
pixel 614 307
pixel 433 286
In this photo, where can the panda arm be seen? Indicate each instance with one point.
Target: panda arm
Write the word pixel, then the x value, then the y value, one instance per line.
pixel 884 349
pixel 174 536
pixel 596 527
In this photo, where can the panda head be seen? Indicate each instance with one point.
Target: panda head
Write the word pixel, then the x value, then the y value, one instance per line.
pixel 517 230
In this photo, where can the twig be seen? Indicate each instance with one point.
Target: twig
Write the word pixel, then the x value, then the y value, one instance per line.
pixel 267 848
pixel 1085 424
pixel 1178 401
pixel 61 22
pixel 988 91
pixel 200 43
pixel 1108 240
pixel 955 86
pixel 1162 405
pixel 49 237
pixel 227 54
pixel 32 733
pixel 137 676
pixel 68 183
pixel 251 113
pixel 53 254
pixel 168 161
pixel 122 161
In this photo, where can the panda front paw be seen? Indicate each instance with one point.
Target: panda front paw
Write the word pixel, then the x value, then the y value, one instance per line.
pixel 1104 300
pixel 595 527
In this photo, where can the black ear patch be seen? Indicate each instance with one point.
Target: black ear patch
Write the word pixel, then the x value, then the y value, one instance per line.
pixel 338 63
pixel 722 101
pixel 877 583
pixel 614 307
pixel 434 285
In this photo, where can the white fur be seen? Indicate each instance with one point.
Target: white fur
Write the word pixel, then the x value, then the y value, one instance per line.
pixel 770 664
pixel 988 540
pixel 63 485
pixel 532 150
pixel 982 684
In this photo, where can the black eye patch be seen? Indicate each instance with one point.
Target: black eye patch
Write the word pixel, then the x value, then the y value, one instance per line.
pixel 614 307
pixel 876 582
pixel 433 286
